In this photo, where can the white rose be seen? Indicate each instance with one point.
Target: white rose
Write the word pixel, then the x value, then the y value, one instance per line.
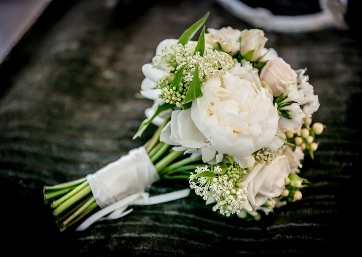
pixel 278 75
pixel 228 39
pixel 265 182
pixel 252 40
pixel 235 114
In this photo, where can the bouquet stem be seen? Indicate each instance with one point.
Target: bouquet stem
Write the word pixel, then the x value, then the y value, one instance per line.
pixel 73 201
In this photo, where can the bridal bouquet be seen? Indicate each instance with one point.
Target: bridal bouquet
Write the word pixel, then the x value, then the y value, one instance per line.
pixel 233 119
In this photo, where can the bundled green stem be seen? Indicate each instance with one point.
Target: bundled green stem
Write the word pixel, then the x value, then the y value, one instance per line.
pixel 72 201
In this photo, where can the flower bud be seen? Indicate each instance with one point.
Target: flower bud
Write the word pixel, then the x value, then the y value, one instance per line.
pixel 296 181
pixel 318 128
pixel 305 132
pixel 289 134
pixel 307 121
pixel 310 139
pixel 297 195
pixel 227 46
pixel 243 214
pixel 303 146
pixel 285 192
pixel 287 180
pixel 257 217
pixel 314 146
pixel 298 141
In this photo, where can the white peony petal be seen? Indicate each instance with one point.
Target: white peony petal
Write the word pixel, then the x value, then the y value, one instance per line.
pixel 152 73
pixel 190 136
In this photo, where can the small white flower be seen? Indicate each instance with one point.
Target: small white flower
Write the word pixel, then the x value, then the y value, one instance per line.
pixel 295 122
pixel 295 158
pixel 307 99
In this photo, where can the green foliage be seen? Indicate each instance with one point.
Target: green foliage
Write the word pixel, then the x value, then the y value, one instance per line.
pixel 191 31
pixel 200 47
pixel 194 90
pixel 147 122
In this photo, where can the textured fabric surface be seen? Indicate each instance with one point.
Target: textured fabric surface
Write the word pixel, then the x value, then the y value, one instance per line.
pixel 68 108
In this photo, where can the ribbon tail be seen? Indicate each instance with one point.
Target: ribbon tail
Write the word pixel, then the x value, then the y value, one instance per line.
pixel 103 212
pixel 163 198
pixel 117 209
pixel 119 213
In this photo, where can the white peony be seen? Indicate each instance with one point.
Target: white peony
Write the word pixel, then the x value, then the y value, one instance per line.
pixel 182 132
pixel 235 113
pixel 235 116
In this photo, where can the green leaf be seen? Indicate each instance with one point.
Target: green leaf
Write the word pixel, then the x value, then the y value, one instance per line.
pixel 178 77
pixel 231 159
pixel 200 47
pixel 249 55
pixel 147 122
pixel 259 65
pixel 194 90
pixel 191 31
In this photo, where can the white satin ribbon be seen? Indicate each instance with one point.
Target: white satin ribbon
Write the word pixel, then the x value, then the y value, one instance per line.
pixel 130 174
pixel 117 209
pixel 123 183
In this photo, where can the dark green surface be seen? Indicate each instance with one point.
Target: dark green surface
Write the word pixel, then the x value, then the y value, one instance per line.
pixel 67 108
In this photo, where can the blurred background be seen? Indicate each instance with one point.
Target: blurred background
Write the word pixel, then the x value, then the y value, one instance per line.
pixel 17 16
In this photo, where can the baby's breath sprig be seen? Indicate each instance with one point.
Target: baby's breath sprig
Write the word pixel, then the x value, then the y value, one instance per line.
pixel 220 184
pixel 177 94
pixel 265 155
pixel 182 60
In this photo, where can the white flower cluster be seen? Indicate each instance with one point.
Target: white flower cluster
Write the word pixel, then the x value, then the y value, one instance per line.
pixel 220 186
pixel 249 117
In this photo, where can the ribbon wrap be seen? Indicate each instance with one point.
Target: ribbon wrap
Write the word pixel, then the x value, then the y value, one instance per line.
pixel 130 174
pixel 123 183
